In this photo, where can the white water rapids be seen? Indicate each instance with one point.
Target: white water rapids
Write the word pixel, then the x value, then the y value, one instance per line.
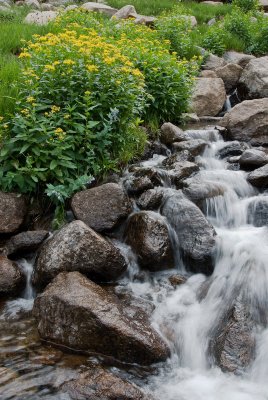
pixel 241 271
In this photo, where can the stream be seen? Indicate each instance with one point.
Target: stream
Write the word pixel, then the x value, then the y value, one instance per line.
pixel 186 316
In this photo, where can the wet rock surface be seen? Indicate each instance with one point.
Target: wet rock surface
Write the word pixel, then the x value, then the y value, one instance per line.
pixel 103 207
pixel 233 149
pixel 13 209
pixel 258 212
pixel 253 158
pixel 11 277
pixel 171 133
pixel 259 177
pixel 100 384
pixel 147 233
pixel 194 146
pixel 151 199
pixel 75 312
pixel 197 191
pixel 196 236
pixel 234 346
pixel 25 242
pixel 76 247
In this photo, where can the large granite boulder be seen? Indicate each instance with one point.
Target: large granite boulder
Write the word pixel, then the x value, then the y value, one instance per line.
pixel 13 210
pixel 248 122
pixel 147 233
pixel 253 83
pixel 253 158
pixel 75 312
pixel 102 207
pixel 213 62
pixel 76 247
pixel 11 277
pixel 208 96
pixel 196 236
pixel 194 146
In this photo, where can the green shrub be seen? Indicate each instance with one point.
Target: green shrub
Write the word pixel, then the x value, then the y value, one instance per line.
pixel 240 24
pixel 259 45
pixel 77 114
pixel 176 29
pixel 215 40
pixel 247 5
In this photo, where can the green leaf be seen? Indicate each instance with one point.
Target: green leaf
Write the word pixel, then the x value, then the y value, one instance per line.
pixel 53 164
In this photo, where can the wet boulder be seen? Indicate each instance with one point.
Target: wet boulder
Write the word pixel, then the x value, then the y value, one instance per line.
pixel 102 207
pixel 181 171
pixel 253 158
pixel 253 83
pixel 147 233
pixel 99 384
pixel 135 185
pixel 198 191
pixel 230 74
pixel 208 96
pixel 25 242
pixel 171 133
pixel 232 149
pixel 77 313
pixel 194 146
pixel 247 122
pixel 259 177
pixel 76 247
pixel 11 278
pixel 196 236
pixel 181 156
pixel 258 212
pixel 13 210
pixel 234 343
pixel 151 199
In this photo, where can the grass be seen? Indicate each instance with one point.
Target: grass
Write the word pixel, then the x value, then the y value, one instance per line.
pixel 145 7
pixel 13 30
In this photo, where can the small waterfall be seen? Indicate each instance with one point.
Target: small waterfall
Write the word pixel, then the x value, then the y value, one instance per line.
pixel 27 268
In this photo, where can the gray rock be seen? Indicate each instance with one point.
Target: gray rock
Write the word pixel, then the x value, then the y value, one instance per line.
pixel 99 384
pixel 196 236
pixel 11 277
pixel 253 158
pixel 33 4
pixel 198 191
pixel 259 177
pixel 13 209
pixel 248 121
pixel 77 313
pixel 99 7
pixel 76 247
pixel 40 17
pixel 182 170
pixel 232 149
pixel 230 74
pixel 147 233
pixel 171 133
pixel 213 62
pixel 208 73
pixel 126 12
pixel 25 242
pixel 151 199
pixel 181 156
pixel 253 83
pixel 194 146
pixel 208 96
pixel 234 345
pixel 240 59
pixel 103 207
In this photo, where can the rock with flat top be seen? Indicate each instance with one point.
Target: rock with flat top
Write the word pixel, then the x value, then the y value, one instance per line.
pixel 208 96
pixel 75 312
pixel 99 7
pixel 40 17
pixel 240 59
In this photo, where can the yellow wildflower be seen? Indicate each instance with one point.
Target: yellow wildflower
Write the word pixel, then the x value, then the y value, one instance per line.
pixel 25 54
pixel 55 109
pixel 49 68
pixel 30 99
pixel 87 93
pixel 25 111
pixel 68 62
pixel 5 126
pixel 92 68
pixel 58 130
pixel 1 119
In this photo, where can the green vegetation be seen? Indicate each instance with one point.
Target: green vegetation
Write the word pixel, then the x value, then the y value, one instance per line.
pixel 56 136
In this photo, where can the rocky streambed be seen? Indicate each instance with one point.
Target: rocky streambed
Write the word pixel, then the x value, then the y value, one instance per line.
pixel 157 288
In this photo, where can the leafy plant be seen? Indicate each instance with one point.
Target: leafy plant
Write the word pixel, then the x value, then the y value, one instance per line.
pixel 214 40
pixel 247 5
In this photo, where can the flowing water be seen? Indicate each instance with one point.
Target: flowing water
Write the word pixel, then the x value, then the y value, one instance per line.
pixel 30 370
